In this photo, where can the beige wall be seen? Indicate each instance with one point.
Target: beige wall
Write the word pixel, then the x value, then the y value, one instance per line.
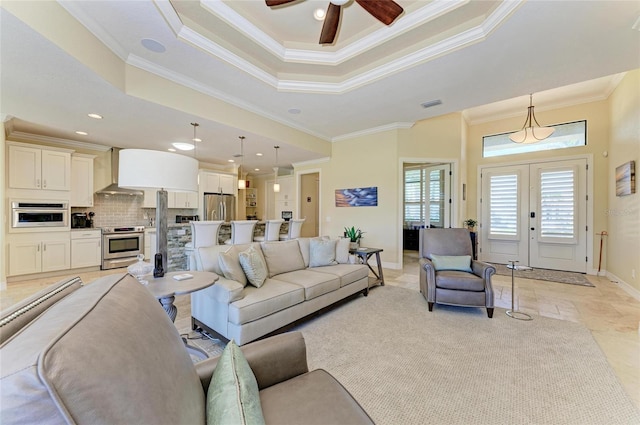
pixel 623 213
pixel 597 116
pixel 4 248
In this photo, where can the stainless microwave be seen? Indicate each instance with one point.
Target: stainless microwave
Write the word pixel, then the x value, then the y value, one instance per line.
pixel 25 214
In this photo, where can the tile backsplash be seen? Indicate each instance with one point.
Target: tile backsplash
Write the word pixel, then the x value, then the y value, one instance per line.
pixel 125 210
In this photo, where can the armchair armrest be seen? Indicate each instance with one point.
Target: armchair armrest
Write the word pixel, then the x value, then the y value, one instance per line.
pixel 483 270
pixel 272 360
pixel 427 279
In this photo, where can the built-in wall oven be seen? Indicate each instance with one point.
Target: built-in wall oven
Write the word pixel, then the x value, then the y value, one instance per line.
pixel 121 246
pixel 25 214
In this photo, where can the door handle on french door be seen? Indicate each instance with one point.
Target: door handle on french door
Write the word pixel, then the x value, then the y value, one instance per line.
pixel 533 228
pixel 533 214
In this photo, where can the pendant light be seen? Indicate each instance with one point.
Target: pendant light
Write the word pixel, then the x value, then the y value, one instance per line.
pixel 530 133
pixel 276 185
pixel 195 139
pixel 242 183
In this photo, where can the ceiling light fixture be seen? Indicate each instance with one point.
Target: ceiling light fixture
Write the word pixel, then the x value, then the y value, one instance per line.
pixel 153 45
pixel 242 183
pixel 530 133
pixel 183 146
pixel 95 116
pixel 319 14
pixel 195 139
pixel 82 133
pixel 276 185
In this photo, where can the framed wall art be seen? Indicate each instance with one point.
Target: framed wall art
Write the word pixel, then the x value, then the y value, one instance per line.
pixel 626 179
pixel 357 197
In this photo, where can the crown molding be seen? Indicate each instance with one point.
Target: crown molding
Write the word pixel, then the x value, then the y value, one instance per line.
pixel 28 137
pixel 322 160
pixel 374 130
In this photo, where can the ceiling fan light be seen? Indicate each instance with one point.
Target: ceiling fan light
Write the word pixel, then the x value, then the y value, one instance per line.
pixel 319 14
pixel 183 146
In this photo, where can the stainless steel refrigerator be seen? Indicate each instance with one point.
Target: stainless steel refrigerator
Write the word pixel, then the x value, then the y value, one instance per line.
pixel 219 207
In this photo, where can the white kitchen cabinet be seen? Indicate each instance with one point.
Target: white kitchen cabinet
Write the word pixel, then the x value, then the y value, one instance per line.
pixel 86 248
pixel 36 253
pixel 217 183
pixel 150 245
pixel 33 167
pixel 150 199
pixel 82 180
pixel 183 200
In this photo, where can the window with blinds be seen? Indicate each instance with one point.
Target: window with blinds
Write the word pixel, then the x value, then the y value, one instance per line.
pixel 558 204
pixel 436 198
pixel 424 193
pixel 413 195
pixel 503 208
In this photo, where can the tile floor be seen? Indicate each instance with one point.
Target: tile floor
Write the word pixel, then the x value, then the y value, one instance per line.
pixel 612 315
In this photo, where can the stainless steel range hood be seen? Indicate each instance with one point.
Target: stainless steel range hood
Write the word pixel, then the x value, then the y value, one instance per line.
pixel 113 188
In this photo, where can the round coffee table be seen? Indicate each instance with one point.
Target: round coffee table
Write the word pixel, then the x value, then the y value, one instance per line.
pixel 166 288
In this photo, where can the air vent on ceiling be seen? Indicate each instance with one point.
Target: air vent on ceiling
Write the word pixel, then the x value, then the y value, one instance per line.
pixel 431 103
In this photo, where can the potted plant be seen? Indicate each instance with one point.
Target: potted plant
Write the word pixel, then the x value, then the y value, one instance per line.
pixel 470 223
pixel 354 236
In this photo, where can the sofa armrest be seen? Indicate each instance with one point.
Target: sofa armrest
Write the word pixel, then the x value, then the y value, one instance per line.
pixel 272 360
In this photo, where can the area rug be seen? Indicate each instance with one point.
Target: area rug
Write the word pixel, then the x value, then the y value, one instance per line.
pixel 545 274
pixel 406 365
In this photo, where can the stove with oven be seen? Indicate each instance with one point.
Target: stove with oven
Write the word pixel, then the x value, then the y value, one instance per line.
pixel 121 245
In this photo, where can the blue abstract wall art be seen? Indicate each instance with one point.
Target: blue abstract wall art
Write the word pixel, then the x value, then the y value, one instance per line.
pixel 357 197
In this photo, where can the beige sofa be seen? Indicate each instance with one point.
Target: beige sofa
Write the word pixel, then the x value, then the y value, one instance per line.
pixel 296 286
pixel 107 353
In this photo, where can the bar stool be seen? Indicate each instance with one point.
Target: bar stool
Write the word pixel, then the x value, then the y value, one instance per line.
pixel 241 232
pixel 204 233
pixel 271 231
pixel 295 227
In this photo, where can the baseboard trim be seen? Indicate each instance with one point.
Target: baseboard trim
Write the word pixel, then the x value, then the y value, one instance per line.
pixel 624 285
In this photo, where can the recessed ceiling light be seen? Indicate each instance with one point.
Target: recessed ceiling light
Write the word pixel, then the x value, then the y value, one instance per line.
pixel 230 160
pixel 153 45
pixel 295 111
pixel 258 154
pixel 197 140
pixel 183 146
pixel 82 133
pixel 171 150
pixel 256 169
pixel 96 116
pixel 319 14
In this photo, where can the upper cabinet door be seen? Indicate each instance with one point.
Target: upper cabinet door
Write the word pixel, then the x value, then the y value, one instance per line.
pixel 56 170
pixel 25 167
pixel 227 184
pixel 81 181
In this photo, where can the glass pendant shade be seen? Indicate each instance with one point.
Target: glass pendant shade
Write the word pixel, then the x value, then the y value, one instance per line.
pixel 276 187
pixel 242 184
pixel 530 133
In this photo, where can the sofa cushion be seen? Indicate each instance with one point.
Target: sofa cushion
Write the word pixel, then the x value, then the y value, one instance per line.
pixel 73 364
pixel 304 244
pixel 314 398
pixel 342 250
pixel 451 262
pixel 462 281
pixel 322 252
pixel 314 284
pixel 348 273
pixel 230 266
pixel 271 297
pixel 233 395
pixel 282 257
pixel 208 258
pixel 19 315
pixel 254 266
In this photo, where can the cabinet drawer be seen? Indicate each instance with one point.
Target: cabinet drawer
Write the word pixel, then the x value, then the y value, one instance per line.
pixel 85 234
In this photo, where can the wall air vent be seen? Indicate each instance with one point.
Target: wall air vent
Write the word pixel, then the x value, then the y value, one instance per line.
pixel 431 103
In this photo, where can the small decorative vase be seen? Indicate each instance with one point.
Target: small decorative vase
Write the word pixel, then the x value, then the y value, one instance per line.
pixel 354 245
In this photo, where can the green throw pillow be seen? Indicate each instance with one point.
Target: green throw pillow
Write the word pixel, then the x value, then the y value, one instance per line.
pixel 254 266
pixel 233 396
pixel 452 262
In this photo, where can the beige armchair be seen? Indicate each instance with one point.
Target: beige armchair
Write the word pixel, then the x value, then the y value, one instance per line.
pixel 454 287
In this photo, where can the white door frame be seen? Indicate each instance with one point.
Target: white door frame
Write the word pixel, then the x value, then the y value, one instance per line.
pixel 589 221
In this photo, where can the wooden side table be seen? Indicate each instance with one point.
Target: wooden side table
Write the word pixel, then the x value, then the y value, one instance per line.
pixel 166 288
pixel 513 313
pixel 365 254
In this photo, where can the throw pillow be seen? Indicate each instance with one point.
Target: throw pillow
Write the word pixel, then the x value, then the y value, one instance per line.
pixel 230 266
pixel 342 250
pixel 322 252
pixel 233 396
pixel 452 262
pixel 254 266
pixel 282 257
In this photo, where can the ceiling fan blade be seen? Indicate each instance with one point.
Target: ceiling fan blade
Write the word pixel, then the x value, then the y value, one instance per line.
pixel 386 11
pixel 271 3
pixel 331 24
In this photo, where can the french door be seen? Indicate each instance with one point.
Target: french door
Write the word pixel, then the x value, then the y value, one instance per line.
pixel 536 214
